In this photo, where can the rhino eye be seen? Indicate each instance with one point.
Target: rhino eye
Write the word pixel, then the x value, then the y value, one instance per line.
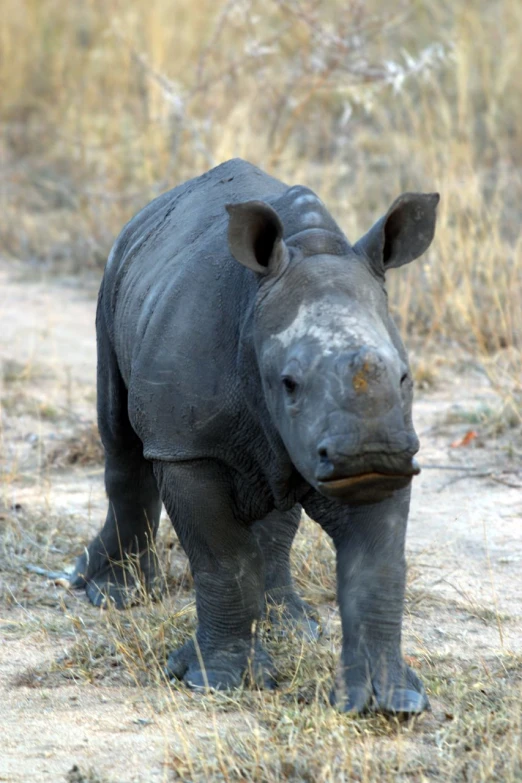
pixel 289 383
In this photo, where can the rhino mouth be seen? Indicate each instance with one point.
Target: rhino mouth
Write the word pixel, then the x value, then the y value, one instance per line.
pixel 368 486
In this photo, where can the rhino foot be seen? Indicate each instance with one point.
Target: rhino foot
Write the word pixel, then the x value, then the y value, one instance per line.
pixel 121 584
pixel 393 690
pixel 222 667
pixel 290 615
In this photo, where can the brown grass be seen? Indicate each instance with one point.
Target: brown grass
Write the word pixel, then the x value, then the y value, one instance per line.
pixel 83 448
pixel 474 732
pixel 106 104
pixel 77 775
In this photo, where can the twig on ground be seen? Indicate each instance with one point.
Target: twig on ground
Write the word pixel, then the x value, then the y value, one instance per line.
pixel 435 466
pixel 59 577
pixel 490 474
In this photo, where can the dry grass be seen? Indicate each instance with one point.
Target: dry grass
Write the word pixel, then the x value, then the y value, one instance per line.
pixel 77 775
pixel 83 448
pixel 473 734
pixel 106 104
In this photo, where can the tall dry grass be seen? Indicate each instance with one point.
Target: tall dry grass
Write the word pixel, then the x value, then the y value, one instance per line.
pixel 106 103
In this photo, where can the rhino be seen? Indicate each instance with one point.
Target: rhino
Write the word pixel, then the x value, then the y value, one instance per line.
pixel 248 368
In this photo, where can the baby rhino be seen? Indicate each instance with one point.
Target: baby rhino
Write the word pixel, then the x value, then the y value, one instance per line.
pixel 248 368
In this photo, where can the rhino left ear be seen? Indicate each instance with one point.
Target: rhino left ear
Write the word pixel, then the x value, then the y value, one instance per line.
pixel 255 236
pixel 404 233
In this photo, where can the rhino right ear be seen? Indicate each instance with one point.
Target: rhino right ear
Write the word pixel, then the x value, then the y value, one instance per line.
pixel 403 234
pixel 255 236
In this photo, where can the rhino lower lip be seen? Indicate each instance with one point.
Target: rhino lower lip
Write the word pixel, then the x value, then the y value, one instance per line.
pixel 346 482
pixel 364 478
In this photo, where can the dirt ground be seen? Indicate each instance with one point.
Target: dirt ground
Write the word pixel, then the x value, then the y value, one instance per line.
pixel 464 545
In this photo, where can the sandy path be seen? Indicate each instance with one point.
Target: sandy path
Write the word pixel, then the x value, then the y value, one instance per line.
pixel 465 544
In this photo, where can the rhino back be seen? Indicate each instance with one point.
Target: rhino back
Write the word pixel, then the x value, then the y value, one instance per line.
pixel 175 302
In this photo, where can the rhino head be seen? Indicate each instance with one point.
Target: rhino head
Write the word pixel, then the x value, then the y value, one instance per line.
pixel 335 372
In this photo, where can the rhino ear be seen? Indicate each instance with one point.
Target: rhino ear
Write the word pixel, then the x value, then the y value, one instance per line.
pixel 255 236
pixel 404 233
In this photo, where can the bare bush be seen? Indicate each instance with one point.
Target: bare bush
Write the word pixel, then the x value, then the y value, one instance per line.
pixel 111 104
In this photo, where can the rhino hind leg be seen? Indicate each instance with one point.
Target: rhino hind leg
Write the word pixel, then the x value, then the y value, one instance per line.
pixel 227 565
pixel 120 562
pixel 286 609
pixel 121 583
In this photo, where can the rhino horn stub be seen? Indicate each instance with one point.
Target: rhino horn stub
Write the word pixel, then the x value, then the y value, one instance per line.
pixel 360 380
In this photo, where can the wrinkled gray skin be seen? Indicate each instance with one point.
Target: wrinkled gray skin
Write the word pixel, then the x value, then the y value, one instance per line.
pixel 248 366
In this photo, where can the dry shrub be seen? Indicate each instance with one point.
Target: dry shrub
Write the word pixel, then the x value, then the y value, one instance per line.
pixel 105 104
pixel 83 448
pixel 78 775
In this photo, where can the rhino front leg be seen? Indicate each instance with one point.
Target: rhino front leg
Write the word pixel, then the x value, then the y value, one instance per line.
pixel 228 569
pixel 275 535
pixel 371 576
